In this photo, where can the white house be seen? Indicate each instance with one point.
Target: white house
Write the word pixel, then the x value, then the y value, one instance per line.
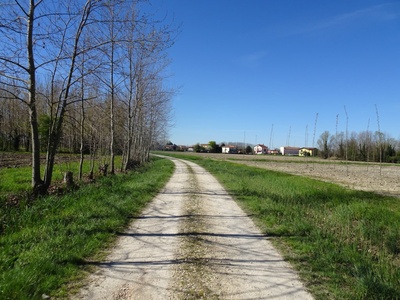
pixel 260 149
pixel 230 149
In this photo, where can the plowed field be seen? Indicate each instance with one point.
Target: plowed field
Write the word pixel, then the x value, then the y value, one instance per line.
pixel 375 177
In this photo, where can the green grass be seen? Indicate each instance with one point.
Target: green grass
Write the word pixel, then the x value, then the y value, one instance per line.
pixel 45 246
pixel 344 243
pixel 14 180
pixel 18 180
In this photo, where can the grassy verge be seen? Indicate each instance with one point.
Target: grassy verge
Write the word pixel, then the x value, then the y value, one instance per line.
pixel 18 180
pixel 45 245
pixel 344 243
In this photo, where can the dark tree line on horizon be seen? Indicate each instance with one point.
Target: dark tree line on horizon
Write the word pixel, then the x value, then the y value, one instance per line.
pixel 364 146
pixel 85 77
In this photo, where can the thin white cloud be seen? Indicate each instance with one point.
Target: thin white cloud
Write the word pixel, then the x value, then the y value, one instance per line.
pixel 377 13
pixel 373 14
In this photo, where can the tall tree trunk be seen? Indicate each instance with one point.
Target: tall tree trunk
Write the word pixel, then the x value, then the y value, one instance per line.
pixel 33 119
pixel 131 117
pixel 55 134
pixel 112 154
pixel 82 129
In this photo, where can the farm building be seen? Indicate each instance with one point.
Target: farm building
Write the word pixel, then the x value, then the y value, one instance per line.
pixel 230 149
pixel 260 149
pixel 307 151
pixel 273 151
pixel 290 150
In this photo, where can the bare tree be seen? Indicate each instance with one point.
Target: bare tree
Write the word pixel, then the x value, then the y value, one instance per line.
pixel 112 33
pixel 380 140
pixel 111 51
pixel 42 38
pixel 324 144
pixel 19 68
pixel 145 60
pixel 45 66
pixel 347 140
pixel 130 75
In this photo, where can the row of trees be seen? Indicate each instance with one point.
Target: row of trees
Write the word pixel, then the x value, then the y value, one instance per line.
pixel 363 146
pixel 84 76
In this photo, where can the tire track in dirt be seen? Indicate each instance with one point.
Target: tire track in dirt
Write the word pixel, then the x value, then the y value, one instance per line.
pixel 193 276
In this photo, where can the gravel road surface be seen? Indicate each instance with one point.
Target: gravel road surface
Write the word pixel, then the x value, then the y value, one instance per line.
pixel 193 242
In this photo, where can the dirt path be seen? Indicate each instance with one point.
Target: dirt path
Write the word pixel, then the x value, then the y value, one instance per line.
pixel 193 242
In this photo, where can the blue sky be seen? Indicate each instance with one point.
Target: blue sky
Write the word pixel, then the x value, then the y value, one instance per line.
pixel 249 68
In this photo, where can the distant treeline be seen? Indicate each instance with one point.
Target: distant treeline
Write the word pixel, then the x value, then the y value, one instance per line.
pixel 363 146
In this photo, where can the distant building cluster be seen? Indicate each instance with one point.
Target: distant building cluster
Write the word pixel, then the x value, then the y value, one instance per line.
pixel 259 149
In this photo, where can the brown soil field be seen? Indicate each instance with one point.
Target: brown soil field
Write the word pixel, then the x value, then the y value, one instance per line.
pixel 14 160
pixel 373 177
pixel 17 160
